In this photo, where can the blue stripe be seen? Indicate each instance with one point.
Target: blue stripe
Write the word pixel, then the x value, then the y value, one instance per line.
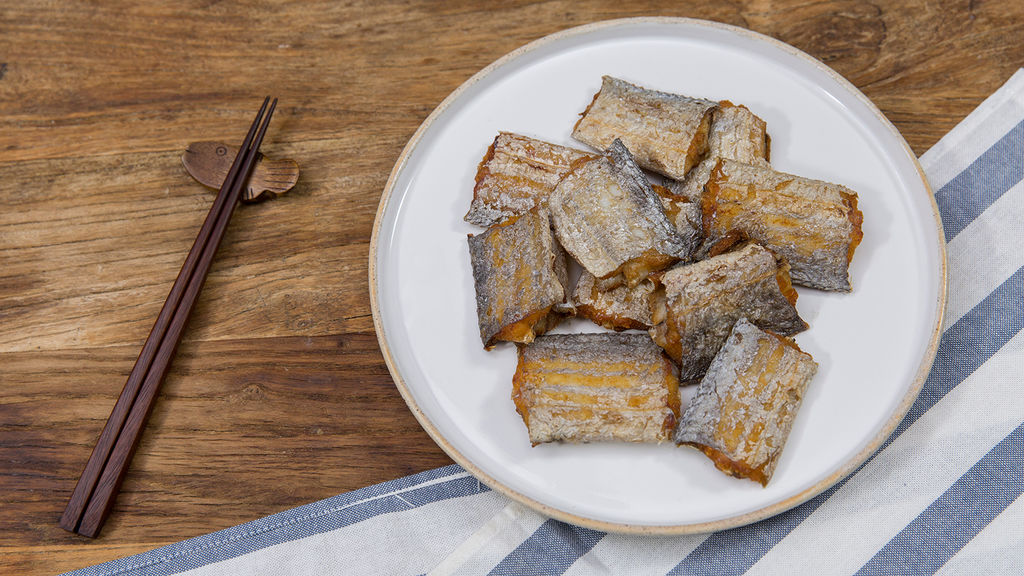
pixel 965 346
pixel 967 195
pixel 549 551
pixel 969 505
pixel 315 518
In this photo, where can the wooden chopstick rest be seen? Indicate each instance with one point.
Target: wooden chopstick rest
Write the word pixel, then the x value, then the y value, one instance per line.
pixel 209 162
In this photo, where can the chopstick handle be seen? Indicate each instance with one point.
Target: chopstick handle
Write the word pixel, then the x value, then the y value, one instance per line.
pixel 113 473
pixel 100 455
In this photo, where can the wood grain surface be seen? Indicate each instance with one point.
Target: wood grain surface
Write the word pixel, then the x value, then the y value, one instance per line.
pixel 279 395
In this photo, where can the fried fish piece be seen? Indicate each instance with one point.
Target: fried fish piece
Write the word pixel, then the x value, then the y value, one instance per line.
pixel 596 387
pixel 667 133
pixel 516 174
pixel 620 308
pixel 736 134
pixel 697 304
pixel 743 410
pixel 610 220
pixel 814 225
pixel 520 278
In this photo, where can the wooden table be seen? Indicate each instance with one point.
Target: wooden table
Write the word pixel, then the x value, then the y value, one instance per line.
pixel 279 395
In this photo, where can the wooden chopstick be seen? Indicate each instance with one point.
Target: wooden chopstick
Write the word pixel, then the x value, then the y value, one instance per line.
pixel 97 488
pixel 117 465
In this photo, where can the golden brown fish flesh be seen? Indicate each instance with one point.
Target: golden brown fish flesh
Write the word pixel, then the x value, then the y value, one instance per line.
pixel 596 387
pixel 684 214
pixel 667 133
pixel 743 410
pixel 698 304
pixel 516 174
pixel 520 278
pixel 610 220
pixel 620 308
pixel 736 134
pixel 814 225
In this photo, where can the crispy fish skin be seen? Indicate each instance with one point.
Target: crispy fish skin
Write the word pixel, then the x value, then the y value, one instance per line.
pixel 596 387
pixel 516 174
pixel 698 304
pixel 610 220
pixel 621 308
pixel 814 225
pixel 743 410
pixel 736 134
pixel 667 133
pixel 684 214
pixel 520 278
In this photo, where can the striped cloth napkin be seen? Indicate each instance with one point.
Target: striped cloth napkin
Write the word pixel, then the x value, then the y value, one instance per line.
pixel 942 495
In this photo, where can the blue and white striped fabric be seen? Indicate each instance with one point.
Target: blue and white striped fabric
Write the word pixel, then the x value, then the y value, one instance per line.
pixel 942 495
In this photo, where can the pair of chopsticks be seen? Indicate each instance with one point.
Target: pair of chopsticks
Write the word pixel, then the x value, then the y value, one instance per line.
pixel 100 481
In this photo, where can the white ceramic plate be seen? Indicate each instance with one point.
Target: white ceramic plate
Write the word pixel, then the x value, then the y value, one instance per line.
pixel 874 345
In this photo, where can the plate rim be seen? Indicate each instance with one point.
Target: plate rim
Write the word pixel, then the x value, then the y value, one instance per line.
pixel 644 529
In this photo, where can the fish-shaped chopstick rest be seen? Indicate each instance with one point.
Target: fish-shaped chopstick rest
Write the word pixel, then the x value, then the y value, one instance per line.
pixel 209 162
